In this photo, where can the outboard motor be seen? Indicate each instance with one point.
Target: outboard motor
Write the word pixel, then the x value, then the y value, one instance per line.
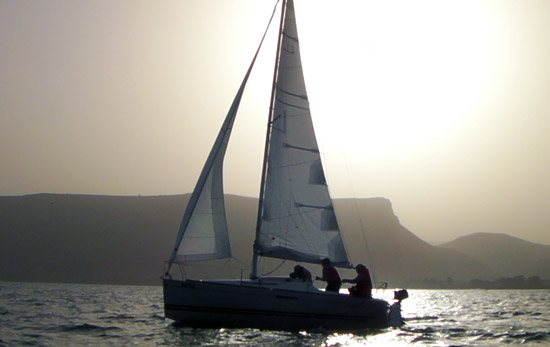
pixel 394 316
pixel 400 295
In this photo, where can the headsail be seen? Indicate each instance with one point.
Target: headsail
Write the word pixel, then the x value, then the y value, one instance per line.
pixel 203 230
pixel 296 216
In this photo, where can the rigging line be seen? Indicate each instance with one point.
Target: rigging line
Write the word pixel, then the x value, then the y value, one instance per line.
pixel 239 263
pixel 355 204
pixel 255 253
pixel 322 157
pixel 237 260
pixel 275 269
pixel 228 267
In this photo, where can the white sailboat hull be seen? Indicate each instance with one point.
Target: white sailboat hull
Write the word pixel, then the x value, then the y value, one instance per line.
pixel 269 303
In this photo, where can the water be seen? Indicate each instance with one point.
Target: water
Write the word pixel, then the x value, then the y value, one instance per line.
pixel 41 314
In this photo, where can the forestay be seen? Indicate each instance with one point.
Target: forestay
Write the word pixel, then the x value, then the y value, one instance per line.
pixel 203 230
pixel 297 219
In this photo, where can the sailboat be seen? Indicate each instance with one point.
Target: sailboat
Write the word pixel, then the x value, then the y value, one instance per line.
pixel 296 221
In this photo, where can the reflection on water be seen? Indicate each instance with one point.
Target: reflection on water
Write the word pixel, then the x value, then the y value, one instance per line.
pixel 100 315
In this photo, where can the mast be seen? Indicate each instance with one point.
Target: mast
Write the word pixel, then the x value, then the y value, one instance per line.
pixel 255 256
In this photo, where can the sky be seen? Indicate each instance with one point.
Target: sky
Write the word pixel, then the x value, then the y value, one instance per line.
pixel 443 107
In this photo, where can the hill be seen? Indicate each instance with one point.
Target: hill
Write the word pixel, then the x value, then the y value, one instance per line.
pixel 114 239
pixel 505 255
pixel 395 254
pixel 84 238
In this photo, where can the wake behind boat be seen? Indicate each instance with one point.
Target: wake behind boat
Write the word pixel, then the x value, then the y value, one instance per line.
pixel 296 221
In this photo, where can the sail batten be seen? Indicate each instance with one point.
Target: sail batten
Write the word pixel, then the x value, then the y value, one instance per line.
pixel 301 96
pixel 292 105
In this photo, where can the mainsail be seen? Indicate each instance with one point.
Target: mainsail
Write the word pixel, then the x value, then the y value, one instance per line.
pixel 296 217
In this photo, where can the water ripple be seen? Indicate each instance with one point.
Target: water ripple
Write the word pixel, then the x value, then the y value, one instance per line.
pixel 87 315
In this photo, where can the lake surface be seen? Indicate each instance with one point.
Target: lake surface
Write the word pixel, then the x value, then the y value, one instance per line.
pixel 40 314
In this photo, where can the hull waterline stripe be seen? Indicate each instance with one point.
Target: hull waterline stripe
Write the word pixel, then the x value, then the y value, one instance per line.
pixel 188 308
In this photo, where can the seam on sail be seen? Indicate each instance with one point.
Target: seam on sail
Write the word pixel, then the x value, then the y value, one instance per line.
pixel 299 204
pixel 295 39
pixel 301 96
pixel 313 150
pixel 291 105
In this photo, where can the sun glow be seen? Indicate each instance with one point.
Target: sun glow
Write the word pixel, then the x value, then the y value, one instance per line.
pixel 395 82
pixel 395 85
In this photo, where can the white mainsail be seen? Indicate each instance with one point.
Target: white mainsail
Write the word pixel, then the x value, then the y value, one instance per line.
pixel 297 219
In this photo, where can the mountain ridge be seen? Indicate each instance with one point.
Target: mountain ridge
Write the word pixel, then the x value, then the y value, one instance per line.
pixel 125 239
pixel 514 254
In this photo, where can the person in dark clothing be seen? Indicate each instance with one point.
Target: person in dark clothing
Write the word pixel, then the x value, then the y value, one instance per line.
pixel 363 283
pixel 331 276
pixel 301 273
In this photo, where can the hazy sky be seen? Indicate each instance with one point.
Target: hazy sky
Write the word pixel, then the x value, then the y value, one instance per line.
pixel 443 107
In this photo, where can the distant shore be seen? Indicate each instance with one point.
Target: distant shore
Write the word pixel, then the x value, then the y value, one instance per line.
pixel 516 282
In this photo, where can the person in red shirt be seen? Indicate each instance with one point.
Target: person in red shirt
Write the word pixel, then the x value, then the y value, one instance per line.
pixel 363 283
pixel 331 276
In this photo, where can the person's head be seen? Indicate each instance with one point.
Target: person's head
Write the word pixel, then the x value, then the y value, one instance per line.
pixel 298 268
pixel 325 262
pixel 360 268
